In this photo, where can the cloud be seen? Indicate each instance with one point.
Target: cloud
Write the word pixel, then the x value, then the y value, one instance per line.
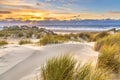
pixel 62 1
pixel 64 8
pixel 5 12
pixel 0 15
pixel 43 4
pixel 49 18
pixel 114 12
pixel 9 18
pixel 50 9
pixel 16 4
pixel 54 0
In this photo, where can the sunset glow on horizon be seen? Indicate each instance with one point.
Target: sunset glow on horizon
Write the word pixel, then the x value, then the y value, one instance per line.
pixel 36 10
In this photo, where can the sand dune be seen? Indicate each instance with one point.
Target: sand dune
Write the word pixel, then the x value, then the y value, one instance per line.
pixel 23 60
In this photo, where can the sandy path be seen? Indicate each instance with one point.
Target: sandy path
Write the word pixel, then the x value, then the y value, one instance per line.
pixel 38 58
pixel 11 55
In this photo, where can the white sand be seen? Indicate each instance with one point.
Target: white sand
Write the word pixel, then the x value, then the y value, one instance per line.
pixel 21 61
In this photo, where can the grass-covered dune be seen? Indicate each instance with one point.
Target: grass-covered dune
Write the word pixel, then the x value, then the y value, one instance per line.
pixel 79 37
pixel 36 32
pixel 99 35
pixel 109 48
pixel 67 68
pixel 24 32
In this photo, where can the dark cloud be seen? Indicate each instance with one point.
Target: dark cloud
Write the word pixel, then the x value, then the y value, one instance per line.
pixel 5 12
pixel 38 4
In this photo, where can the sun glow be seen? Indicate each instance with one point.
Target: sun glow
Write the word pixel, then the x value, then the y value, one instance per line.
pixel 36 10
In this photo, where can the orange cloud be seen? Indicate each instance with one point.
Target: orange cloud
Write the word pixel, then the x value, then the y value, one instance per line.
pixel 0 15
pixel 5 12
pixel 44 15
pixel 31 10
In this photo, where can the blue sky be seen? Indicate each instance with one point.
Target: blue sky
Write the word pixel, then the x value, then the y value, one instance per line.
pixel 59 9
pixel 83 5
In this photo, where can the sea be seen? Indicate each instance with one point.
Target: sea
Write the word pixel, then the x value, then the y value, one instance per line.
pixel 78 27
pixel 81 27
pixel 68 25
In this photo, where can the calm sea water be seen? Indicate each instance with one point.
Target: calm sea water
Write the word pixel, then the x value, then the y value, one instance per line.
pixel 78 27
pixel 1 28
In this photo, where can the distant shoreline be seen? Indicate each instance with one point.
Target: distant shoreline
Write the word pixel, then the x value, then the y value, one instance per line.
pixel 74 31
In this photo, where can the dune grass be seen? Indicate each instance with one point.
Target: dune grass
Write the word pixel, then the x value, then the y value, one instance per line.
pixel 99 35
pixel 59 69
pixel 109 48
pixel 3 42
pixel 110 58
pixel 22 42
pixel 87 36
pixel 58 38
pixel 109 41
pixel 88 72
pixel 66 68
pixel 52 39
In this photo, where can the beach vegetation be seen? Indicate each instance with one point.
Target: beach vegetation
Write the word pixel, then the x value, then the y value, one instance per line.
pixel 53 39
pixel 24 32
pixel 67 68
pixel 22 42
pixel 99 35
pixel 109 48
pixel 3 42
pixel 59 69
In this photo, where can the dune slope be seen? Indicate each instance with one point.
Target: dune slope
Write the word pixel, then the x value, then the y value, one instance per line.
pixel 37 57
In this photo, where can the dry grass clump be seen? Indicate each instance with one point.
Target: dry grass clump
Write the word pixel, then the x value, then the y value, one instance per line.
pixel 66 68
pixel 59 69
pixel 52 39
pixel 3 42
pixel 88 72
pixel 99 35
pixel 110 52
pixel 88 36
pixel 109 41
pixel 110 58
pixel 22 42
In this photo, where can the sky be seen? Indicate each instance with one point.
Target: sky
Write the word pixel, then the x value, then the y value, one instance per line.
pixel 36 10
